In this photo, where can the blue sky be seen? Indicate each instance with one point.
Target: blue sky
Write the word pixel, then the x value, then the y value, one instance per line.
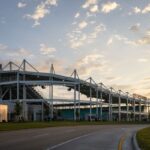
pixel 106 39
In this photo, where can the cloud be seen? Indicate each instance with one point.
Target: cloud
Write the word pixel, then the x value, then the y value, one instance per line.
pixel 124 87
pixel 41 11
pixel 82 24
pixel 136 10
pixel 21 5
pixel 97 30
pixel 94 9
pixel 78 38
pixel 110 41
pixel 146 9
pixel 112 78
pixel 135 28
pixel 21 52
pixel 89 64
pixel 109 6
pixel 143 60
pixel 121 38
pixel 86 30
pixel 45 50
pixel 77 15
pixel 88 3
pixel 145 40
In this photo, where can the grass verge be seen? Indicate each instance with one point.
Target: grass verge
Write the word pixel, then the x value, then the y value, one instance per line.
pixel 143 138
pixel 31 125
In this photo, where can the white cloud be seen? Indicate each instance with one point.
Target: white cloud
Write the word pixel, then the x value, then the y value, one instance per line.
pixel 98 29
pixel 45 50
pixel 110 41
pixel 143 60
pixel 89 64
pixel 136 10
pixel 109 6
pixel 88 3
pixel 146 9
pixel 78 38
pixel 82 24
pixel 143 41
pixel 41 11
pixel 94 9
pixel 123 39
pixel 77 15
pixel 21 5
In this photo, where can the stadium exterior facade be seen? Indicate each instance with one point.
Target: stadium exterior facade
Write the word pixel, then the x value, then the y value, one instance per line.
pixel 17 84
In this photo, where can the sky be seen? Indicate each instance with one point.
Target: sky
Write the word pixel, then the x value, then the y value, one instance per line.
pixel 108 40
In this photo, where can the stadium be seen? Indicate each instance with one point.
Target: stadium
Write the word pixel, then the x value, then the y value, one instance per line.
pixel 19 85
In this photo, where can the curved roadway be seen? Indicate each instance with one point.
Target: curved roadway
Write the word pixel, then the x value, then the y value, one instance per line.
pixel 100 137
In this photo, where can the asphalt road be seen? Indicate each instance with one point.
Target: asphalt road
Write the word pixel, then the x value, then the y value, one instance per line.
pixel 100 137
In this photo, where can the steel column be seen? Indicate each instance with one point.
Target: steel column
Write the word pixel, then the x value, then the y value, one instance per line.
pixel 119 111
pixel 127 107
pixel 140 110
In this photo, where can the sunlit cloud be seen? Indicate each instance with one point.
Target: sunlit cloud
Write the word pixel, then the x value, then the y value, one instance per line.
pixel 146 9
pixel 143 60
pixel 109 6
pixel 82 24
pixel 41 11
pixel 94 9
pixel 78 38
pixel 90 63
pixel 88 3
pixel 136 10
pixel 110 41
pixel 45 50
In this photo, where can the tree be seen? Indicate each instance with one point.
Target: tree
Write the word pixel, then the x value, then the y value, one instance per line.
pixel 77 115
pixel 18 110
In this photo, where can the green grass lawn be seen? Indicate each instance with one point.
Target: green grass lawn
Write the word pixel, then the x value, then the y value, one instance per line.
pixel 143 138
pixel 30 125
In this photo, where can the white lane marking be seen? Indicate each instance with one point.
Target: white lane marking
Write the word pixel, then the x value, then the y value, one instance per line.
pixel 66 142
pixel 40 135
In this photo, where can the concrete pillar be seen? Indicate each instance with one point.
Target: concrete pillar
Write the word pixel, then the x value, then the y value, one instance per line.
pixel 18 86
pixel 97 102
pixel 134 109
pixel 75 102
pixel 90 100
pixel 127 107
pixel 42 111
pixel 147 110
pixel 100 102
pixel 119 106
pixel 140 110
pixel 110 104
pixel 79 100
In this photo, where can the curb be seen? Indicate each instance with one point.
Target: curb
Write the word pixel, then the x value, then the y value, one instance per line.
pixel 135 144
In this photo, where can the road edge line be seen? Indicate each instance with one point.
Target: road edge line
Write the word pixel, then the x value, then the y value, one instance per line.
pixel 135 144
